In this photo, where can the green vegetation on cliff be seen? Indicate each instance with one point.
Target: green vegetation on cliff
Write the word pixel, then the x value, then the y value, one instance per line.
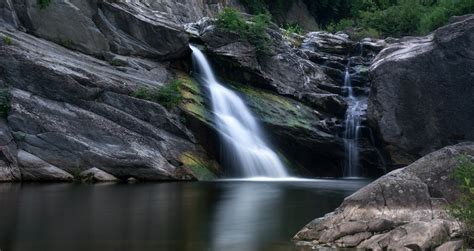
pixel 168 95
pixel 463 208
pixel 5 97
pixel 7 40
pixel 254 31
pixel 372 17
pixel 43 3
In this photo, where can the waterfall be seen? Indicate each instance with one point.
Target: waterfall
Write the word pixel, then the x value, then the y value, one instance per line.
pixel 352 123
pixel 243 144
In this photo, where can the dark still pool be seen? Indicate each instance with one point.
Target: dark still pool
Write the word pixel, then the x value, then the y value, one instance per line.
pixel 215 216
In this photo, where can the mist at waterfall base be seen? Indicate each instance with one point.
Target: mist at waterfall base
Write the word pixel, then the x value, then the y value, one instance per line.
pixel 244 150
pixel 176 216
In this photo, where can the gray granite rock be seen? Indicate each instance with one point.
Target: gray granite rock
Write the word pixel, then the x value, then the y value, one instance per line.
pixel 405 209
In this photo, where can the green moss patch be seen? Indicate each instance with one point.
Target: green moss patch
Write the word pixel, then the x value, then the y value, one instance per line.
pixel 274 109
pixel 200 168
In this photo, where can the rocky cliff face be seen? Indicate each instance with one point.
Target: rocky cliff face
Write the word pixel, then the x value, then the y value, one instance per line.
pixel 403 210
pixel 188 11
pixel 310 71
pixel 71 115
pixel 422 91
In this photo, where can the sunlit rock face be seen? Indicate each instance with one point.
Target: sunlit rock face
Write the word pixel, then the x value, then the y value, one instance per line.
pixel 421 96
pixel 405 208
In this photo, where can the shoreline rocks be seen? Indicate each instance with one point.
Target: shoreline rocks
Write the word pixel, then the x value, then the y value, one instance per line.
pixel 403 209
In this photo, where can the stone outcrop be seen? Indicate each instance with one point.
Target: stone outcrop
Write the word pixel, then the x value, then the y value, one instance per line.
pixel 403 210
pixel 97 27
pixel 421 95
pixel 187 11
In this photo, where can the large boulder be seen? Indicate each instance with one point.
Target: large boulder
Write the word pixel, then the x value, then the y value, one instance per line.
pixel 71 112
pixel 403 210
pixel 422 91
pixel 96 27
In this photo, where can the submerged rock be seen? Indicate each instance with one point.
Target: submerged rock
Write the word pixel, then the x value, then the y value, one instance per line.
pixel 403 209
pixel 421 95
pixel 96 175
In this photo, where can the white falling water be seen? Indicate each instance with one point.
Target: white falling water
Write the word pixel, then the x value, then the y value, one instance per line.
pixel 352 123
pixel 243 143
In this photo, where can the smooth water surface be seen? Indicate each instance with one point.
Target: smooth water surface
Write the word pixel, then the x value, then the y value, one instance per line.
pixel 214 216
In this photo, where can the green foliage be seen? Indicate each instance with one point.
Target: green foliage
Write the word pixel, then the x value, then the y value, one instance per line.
pixel 440 13
pixel 5 98
pixel 254 31
pixel 43 3
pixel 230 19
pixel 292 29
pixel 401 17
pixel 168 95
pixel 398 20
pixel 359 34
pixel 257 32
pixel 7 40
pixel 463 208
pixel 342 25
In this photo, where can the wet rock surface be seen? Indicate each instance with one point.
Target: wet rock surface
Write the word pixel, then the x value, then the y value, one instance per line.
pixel 430 79
pixel 312 75
pixel 405 209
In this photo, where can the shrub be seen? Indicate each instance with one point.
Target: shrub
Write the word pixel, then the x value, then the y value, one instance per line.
pixel 360 34
pixel 43 3
pixel 394 17
pixel 342 25
pixel 255 31
pixel 230 19
pixel 169 95
pixel 463 208
pixel 5 98
pixel 7 40
pixel 292 29
pixel 397 20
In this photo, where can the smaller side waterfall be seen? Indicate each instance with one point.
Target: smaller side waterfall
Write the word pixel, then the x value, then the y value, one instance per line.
pixel 352 124
pixel 243 146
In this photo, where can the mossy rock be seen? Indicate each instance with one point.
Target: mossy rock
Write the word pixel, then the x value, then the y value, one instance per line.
pixel 277 110
pixel 193 101
pixel 201 168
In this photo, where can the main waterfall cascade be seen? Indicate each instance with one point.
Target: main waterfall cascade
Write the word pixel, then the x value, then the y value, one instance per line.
pixel 355 111
pixel 243 142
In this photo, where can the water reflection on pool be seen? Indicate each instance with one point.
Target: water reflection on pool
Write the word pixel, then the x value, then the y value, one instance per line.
pixel 237 215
